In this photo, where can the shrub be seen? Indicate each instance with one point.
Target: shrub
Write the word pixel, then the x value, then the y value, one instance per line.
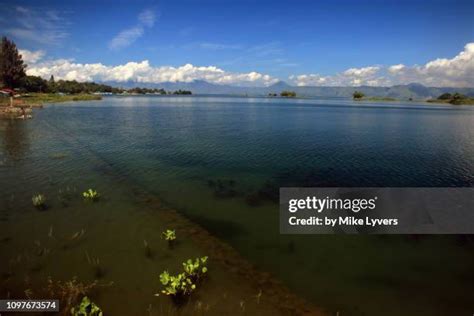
pixel 358 95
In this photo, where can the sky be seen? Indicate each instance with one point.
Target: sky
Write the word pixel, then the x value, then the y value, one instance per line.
pixel 247 43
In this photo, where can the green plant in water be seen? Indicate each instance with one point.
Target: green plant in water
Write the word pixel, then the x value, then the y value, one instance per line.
pixel 91 195
pixel 195 269
pixel 183 284
pixel 169 235
pixel 86 308
pixel 39 201
pixel 177 286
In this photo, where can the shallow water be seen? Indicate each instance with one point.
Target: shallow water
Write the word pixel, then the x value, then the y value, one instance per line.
pixel 220 161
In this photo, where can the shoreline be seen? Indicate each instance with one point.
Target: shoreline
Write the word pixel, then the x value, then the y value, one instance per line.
pixel 41 98
pixel 23 106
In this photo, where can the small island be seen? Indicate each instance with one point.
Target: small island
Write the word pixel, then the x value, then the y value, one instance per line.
pixel 359 96
pixel 283 94
pixel 455 99
pixel 288 94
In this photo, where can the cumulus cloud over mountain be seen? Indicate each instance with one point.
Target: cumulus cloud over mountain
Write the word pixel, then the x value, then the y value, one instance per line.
pixel 448 72
pixel 442 72
pixel 142 72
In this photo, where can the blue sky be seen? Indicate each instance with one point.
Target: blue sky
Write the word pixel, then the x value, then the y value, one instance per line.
pixel 281 39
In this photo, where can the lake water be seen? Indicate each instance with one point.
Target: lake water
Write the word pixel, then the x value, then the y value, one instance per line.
pixel 219 161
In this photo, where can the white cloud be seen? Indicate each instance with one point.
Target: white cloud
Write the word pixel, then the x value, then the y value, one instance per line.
pixel 361 72
pixel 455 72
pixel 126 37
pixel 31 57
pixel 350 77
pixel 442 72
pixel 396 68
pixel 143 72
pixel 146 19
pixel 309 80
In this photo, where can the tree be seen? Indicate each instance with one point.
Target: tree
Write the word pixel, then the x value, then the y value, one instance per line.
pixel 52 85
pixel 290 94
pixel 35 84
pixel 358 95
pixel 445 96
pixel 459 96
pixel 182 92
pixel 12 68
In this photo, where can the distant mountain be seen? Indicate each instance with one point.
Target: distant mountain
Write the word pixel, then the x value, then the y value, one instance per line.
pixel 412 90
pixel 280 86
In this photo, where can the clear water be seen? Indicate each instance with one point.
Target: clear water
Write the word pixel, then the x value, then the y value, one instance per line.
pixel 220 161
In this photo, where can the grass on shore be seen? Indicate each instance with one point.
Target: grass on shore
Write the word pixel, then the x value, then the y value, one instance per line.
pixel 39 98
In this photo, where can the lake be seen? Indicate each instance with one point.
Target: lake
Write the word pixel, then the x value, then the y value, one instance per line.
pixel 219 161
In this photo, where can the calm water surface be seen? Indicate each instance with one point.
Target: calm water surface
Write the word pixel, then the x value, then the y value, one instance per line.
pixel 221 160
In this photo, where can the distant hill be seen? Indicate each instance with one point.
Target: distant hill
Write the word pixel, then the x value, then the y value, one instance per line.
pixel 412 90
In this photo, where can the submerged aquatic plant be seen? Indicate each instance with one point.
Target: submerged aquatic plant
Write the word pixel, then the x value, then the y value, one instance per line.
pixel 183 284
pixel 39 201
pixel 86 308
pixel 170 236
pixel 91 195
pixel 178 286
pixel 195 269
